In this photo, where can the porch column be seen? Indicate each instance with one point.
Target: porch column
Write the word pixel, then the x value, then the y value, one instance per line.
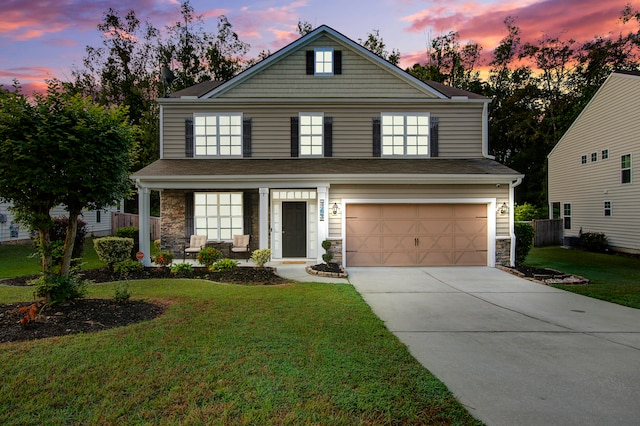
pixel 323 219
pixel 264 218
pixel 144 228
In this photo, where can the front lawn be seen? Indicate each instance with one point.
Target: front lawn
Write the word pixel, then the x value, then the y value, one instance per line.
pixel 614 278
pixel 225 354
pixel 17 260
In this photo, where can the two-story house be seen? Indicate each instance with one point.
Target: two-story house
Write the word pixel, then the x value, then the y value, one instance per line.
pixel 591 180
pixel 326 140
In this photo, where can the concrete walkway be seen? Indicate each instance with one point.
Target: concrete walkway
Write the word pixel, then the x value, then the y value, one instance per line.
pixel 514 352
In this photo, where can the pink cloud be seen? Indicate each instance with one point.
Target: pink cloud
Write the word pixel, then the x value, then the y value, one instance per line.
pixel 580 20
pixel 28 19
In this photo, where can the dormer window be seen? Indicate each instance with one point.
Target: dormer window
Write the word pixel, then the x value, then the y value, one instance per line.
pixel 324 61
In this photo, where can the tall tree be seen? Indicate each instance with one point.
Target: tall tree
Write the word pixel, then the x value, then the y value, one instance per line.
pixel 61 149
pixel 376 44
pixel 451 63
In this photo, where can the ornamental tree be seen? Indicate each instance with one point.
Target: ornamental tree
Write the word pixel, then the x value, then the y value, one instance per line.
pixel 60 148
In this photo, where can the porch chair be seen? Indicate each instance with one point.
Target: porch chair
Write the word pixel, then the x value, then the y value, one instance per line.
pixel 195 244
pixel 241 244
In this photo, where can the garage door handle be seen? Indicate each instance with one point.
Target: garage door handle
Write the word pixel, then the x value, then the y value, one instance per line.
pixel 416 242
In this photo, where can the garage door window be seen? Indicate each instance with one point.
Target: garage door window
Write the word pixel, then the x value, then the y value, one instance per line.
pixel 405 134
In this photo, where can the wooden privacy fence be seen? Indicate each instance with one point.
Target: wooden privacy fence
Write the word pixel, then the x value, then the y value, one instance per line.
pixel 123 220
pixel 548 232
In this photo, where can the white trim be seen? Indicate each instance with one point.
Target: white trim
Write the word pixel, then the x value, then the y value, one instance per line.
pixel 217 134
pixel 161 131
pixel 315 61
pixel 489 202
pixel 310 114
pixel 301 181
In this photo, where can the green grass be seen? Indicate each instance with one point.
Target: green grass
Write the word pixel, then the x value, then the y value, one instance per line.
pixel 16 260
pixel 224 354
pixel 613 278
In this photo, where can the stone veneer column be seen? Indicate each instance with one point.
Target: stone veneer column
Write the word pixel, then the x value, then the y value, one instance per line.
pixel 173 221
pixel 503 252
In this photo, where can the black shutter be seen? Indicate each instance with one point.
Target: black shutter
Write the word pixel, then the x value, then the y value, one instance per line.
pixel 311 66
pixel 188 137
pixel 189 221
pixel 337 62
pixel 246 137
pixel 433 136
pixel 295 137
pixel 377 139
pixel 328 136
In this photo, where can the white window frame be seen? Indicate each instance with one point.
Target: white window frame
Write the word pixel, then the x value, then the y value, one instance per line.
pixel 584 159
pixel 604 154
pixel 607 207
pixel 218 215
pixel 401 136
pixel 311 134
pixel 566 207
pixel 220 135
pixel 594 157
pixel 623 169
pixel 323 61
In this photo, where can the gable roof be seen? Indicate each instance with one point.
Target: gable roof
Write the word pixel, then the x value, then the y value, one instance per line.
pixel 631 93
pixel 437 90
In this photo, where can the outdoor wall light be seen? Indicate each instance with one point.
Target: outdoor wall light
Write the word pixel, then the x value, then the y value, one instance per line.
pixel 504 209
pixel 335 209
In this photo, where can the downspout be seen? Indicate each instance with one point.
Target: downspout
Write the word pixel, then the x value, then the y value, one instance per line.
pixel 512 231
pixel 485 131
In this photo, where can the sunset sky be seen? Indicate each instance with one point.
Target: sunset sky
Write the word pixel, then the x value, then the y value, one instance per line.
pixel 41 39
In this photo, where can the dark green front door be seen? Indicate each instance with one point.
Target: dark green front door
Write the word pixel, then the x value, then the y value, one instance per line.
pixel 294 229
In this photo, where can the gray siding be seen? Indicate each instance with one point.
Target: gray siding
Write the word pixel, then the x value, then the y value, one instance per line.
pixel 287 79
pixel 459 135
pixel 610 121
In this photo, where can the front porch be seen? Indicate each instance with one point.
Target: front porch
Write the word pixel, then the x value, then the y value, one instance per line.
pixel 292 222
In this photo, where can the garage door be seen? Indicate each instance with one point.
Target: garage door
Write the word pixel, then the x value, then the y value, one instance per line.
pixel 416 234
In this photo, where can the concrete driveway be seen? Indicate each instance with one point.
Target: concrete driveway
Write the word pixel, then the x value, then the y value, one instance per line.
pixel 512 351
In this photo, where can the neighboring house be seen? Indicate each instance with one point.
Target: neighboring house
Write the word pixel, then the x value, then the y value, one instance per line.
pixel 325 140
pixel 591 170
pixel 98 223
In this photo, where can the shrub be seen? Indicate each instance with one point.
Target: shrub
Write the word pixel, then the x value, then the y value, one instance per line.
pixel 127 267
pixel 60 288
pixel 112 250
pixel 524 240
pixel 130 232
pixel 261 256
pixel 121 292
pixel 526 212
pixel 327 257
pixel 164 258
pixel 223 265
pixel 208 256
pixel 182 269
pixel 594 241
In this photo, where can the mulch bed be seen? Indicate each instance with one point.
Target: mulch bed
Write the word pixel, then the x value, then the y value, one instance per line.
pixel 547 276
pixel 90 315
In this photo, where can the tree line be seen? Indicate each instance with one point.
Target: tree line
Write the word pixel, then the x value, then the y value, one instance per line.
pixel 537 88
